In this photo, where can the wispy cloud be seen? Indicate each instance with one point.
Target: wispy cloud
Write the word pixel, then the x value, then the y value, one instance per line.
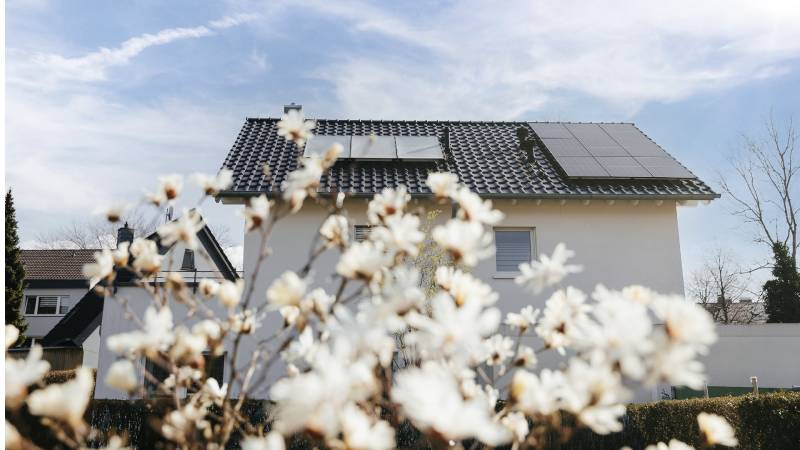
pixel 481 60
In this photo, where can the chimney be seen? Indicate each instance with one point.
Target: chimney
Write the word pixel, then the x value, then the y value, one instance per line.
pixel 292 106
pixel 124 234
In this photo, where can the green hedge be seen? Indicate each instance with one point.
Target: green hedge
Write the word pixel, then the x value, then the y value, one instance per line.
pixel 766 421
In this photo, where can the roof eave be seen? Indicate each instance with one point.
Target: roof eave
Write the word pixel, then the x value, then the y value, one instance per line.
pixel 712 196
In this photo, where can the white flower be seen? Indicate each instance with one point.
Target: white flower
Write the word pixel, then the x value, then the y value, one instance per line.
pixel 499 349
pixel 442 184
pixel 294 127
pixel 208 287
pixel 549 270
pixel 22 373
pixel 335 231
pixel 120 255
pixel 256 212
pixel 388 203
pixel 400 234
pixel 67 401
pixel 302 348
pixel 398 295
pixel 230 292
pixel 526 357
pixel 467 242
pixel 101 269
pixel 321 302
pixel 463 287
pixel 522 320
pixel 362 433
pixel 272 441
pixel 13 438
pixel 594 394
pixel 146 257
pixel 170 186
pixel 303 182
pixel 122 376
pixel 453 332
pixel 288 290
pixel 685 323
pixel 182 230
pixel 156 336
pixel 215 392
pixel 212 185
pixel 188 347
pixel 244 322
pixel 716 430
pixel 12 334
pixel 675 365
pixel 474 209
pixel 534 394
pixel 674 444
pixel 112 213
pixel 517 424
pixel 565 309
pixel 362 260
pixel 431 397
pixel 208 328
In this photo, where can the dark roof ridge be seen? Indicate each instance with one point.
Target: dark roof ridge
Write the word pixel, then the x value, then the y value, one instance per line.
pixel 503 122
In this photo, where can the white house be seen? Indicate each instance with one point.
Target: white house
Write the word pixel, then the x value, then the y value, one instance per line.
pixel 605 189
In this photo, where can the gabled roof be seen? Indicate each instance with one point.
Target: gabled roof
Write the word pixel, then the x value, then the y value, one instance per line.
pixel 486 156
pixel 56 264
pixel 81 321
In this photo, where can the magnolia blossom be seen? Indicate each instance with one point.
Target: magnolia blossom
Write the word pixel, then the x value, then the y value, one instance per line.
pixel 214 391
pixel 102 268
pixel 517 424
pixel 147 259
pixel 685 323
pixel 549 270
pixel 156 336
pixel 21 373
pixel 716 430
pixel 467 242
pixel 256 212
pixel 294 127
pixel 674 444
pixel 230 292
pixel 499 349
pixel 212 185
pixel 442 184
pixel 13 438
pixel 594 393
pixel 67 401
pixel 537 394
pixel 474 209
pixel 563 313
pixel 334 231
pixel 244 322
pixel 12 334
pixel 362 260
pixel 288 290
pixel 208 287
pixel 463 287
pixel 170 186
pixel 272 441
pixel 524 319
pixel 398 294
pixel 121 254
pixel 430 396
pixel 388 203
pixel 361 432
pixel 400 234
pixel 182 230
pixel 112 213
pixel 122 376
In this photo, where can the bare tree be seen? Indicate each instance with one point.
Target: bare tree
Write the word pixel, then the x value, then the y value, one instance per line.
pixel 721 287
pixel 767 194
pixel 99 233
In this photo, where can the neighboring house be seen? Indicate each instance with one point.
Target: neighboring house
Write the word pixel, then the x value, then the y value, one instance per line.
pixel 605 189
pixel 744 311
pixel 110 317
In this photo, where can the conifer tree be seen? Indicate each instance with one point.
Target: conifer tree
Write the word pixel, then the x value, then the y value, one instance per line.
pixel 15 272
pixel 782 293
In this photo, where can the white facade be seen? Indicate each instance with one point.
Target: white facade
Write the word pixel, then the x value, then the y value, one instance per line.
pixel 41 324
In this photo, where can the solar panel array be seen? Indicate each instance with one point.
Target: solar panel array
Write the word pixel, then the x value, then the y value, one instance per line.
pixel 378 148
pixel 607 150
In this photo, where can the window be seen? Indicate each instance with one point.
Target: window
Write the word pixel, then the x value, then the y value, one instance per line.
pixel 513 247
pixel 188 260
pixel 361 232
pixel 44 305
pixel 157 375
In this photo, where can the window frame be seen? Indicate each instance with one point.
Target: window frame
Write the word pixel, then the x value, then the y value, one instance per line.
pixel 368 229
pixel 59 303
pixel 531 234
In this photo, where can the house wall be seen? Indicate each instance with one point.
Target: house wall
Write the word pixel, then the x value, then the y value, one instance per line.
pixel 39 325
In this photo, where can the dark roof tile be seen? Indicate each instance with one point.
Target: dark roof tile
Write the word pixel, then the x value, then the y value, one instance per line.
pixel 56 264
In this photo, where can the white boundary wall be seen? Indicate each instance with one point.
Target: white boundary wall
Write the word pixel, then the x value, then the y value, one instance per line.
pixel 770 352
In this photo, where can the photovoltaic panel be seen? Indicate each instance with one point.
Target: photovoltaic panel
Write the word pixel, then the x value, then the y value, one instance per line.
pixel 373 147
pixel 664 167
pixel 633 140
pixel 596 140
pixel 582 167
pixel 565 147
pixel 418 147
pixel 551 130
pixel 320 144
pixel 623 167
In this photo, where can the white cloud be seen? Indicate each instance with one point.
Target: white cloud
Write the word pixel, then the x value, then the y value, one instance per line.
pixel 476 59
pixel 232 21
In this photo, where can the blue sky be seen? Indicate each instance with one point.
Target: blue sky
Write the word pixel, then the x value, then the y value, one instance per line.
pixel 103 96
